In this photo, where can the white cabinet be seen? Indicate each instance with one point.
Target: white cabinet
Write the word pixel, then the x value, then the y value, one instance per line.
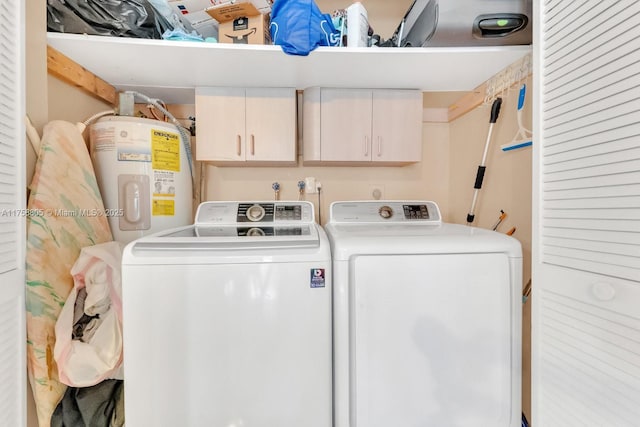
pixel 246 124
pixel 362 125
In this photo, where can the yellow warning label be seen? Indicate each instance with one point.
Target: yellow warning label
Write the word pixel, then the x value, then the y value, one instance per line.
pixel 163 207
pixel 165 150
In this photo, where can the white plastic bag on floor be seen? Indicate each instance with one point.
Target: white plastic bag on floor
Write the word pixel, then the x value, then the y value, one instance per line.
pixel 88 345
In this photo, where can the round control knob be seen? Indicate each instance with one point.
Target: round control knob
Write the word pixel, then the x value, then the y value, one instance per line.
pixel 255 231
pixel 385 212
pixel 255 213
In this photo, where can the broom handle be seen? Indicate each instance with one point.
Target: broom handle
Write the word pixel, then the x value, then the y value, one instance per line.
pixel 495 111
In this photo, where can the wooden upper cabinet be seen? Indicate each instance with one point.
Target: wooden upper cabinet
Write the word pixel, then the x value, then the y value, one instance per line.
pixel 246 125
pixel 345 125
pixel 397 126
pixel 362 125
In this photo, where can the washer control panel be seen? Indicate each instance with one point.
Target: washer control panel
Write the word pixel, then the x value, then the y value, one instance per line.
pixel 385 211
pixel 226 213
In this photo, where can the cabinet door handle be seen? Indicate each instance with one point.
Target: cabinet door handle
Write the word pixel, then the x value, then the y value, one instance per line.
pixel 379 146
pixel 366 146
pixel 253 145
pixel 239 145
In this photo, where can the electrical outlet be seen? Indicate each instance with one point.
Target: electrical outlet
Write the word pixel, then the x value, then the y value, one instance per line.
pixel 310 185
pixel 376 191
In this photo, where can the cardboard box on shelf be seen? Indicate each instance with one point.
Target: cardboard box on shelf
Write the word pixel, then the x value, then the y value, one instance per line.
pixel 245 30
pixel 224 11
pixel 229 11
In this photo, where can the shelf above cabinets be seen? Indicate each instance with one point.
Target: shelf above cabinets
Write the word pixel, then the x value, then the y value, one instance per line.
pixel 171 70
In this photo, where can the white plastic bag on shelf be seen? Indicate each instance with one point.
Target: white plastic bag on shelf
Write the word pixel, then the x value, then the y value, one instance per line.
pixel 163 7
pixel 88 346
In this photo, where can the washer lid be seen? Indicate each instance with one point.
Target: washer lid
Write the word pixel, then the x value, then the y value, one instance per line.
pixel 230 238
pixel 234 226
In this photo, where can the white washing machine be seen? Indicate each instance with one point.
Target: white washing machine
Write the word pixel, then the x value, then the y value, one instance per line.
pixel 427 319
pixel 227 323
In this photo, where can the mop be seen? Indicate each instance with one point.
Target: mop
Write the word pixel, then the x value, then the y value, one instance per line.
pixel 523 136
pixel 495 110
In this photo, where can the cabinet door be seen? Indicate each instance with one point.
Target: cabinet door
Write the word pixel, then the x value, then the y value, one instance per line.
pixel 397 126
pixel 345 125
pixel 271 124
pixel 220 114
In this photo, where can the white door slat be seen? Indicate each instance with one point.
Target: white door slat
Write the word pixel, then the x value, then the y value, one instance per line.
pixel 581 304
pixel 626 118
pixel 585 316
pixel 594 203
pixel 558 13
pixel 594 345
pixel 575 382
pixel 621 179
pixel 581 31
pixel 621 61
pixel 586 37
pixel 595 192
pixel 616 237
pixel 601 104
pixel 567 21
pixel 595 247
pixel 598 111
pixel 599 225
pixel 605 214
pixel 609 259
pixel 592 156
pixel 574 351
pixel 592 73
pixel 598 62
pixel 593 171
pixel 616 271
pixel 580 380
pixel 622 139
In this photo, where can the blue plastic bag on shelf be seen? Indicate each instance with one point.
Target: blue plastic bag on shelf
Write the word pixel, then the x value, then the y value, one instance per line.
pixel 299 26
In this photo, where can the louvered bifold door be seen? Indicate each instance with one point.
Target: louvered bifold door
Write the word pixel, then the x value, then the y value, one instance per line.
pixel 586 266
pixel 12 216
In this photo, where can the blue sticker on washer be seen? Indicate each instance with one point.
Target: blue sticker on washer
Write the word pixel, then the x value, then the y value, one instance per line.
pixel 317 277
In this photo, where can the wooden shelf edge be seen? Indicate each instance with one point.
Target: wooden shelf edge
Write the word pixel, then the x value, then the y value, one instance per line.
pixel 67 70
pixel 479 95
pixel 467 102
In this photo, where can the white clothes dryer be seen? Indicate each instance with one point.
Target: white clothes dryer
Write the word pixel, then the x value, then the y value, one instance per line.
pixel 427 319
pixel 227 322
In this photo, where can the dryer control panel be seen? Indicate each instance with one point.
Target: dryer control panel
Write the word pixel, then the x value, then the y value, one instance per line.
pixel 385 211
pixel 230 213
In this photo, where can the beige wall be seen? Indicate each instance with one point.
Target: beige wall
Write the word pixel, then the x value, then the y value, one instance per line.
pixel 507 181
pixel 424 180
pixel 36 106
pixel 36 69
pixel 71 104
pixel 507 186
